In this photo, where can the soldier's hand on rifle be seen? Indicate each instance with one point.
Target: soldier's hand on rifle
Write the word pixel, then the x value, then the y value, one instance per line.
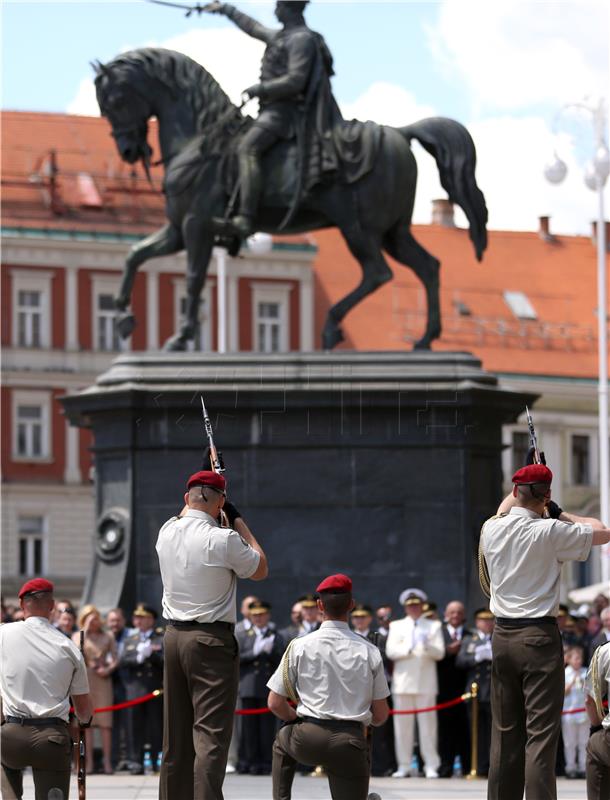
pixel 231 511
pixel 213 8
pixel 531 455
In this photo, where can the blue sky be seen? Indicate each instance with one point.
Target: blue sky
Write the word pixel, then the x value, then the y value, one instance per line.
pixel 503 68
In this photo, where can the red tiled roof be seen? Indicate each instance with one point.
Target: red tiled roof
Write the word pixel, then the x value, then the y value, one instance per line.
pixel 559 278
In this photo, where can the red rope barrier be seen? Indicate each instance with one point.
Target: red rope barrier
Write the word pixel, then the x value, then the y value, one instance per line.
pixel 438 707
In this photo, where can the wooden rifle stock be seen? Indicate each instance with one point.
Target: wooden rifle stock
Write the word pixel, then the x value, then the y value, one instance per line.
pixel 81 756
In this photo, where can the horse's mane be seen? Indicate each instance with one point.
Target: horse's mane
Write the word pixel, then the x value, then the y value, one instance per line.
pixel 181 75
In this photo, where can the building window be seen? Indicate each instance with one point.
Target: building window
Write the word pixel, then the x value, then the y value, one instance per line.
pixel 519 303
pixel 581 461
pixel 31 303
pixel 29 318
pixel 107 335
pixel 520 447
pixel 270 316
pixel 269 327
pixel 31 546
pixel 31 430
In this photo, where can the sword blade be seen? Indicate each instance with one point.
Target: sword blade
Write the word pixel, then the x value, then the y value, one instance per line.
pixel 173 5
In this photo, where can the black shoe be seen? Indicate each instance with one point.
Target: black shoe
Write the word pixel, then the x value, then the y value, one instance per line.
pixel 240 226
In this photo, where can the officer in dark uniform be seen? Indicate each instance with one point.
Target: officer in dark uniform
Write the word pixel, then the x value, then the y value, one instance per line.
pixel 142 665
pixel 260 652
pixel 475 657
pixel 294 85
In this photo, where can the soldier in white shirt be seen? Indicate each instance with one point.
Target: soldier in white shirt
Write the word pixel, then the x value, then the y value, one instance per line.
pixel 337 680
pixel 200 563
pixel 40 669
pixel 598 748
pixel 521 555
pixel 415 644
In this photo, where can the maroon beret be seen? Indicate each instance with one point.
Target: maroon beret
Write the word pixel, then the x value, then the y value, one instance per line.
pixel 36 585
pixel 336 583
pixel 533 473
pixel 207 478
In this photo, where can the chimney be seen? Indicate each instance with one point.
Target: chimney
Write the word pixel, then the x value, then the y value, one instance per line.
pixel 594 234
pixel 544 230
pixel 442 213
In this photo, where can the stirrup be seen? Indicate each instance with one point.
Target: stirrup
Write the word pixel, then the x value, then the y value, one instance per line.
pixel 240 226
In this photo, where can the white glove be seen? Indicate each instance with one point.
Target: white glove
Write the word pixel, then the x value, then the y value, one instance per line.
pixel 143 651
pixel 483 652
pixel 264 644
pixel 419 637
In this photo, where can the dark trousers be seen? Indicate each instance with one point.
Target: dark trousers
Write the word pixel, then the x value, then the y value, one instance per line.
pixel 598 765
pixel 200 691
pixel 343 753
pixel 527 691
pixel 256 735
pixel 453 737
pixel 382 746
pixel 47 750
pixel 122 745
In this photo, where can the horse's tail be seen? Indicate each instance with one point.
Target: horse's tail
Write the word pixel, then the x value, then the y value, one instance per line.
pixel 454 152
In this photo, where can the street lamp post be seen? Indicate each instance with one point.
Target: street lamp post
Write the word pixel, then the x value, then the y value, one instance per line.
pixel 596 175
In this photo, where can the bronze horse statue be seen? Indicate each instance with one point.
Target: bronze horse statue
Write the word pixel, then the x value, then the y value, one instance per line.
pixel 196 121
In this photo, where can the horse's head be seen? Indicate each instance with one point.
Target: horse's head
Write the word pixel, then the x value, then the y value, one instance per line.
pixel 127 109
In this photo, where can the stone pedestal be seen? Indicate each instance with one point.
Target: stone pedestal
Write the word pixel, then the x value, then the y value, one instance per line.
pixel 381 465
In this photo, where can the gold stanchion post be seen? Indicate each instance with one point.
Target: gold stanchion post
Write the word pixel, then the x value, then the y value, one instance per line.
pixel 474 732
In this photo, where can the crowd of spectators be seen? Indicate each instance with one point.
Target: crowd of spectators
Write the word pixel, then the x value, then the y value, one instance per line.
pixel 430 656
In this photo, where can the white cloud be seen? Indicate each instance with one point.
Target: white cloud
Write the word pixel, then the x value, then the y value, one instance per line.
pixel 387 104
pixel 514 55
pixel 232 58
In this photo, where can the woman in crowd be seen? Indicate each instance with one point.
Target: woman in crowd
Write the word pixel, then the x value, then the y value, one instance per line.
pixel 101 660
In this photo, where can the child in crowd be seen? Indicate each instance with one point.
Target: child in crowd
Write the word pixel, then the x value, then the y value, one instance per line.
pixel 574 726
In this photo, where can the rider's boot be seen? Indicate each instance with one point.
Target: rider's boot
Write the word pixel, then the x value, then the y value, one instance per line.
pixel 242 224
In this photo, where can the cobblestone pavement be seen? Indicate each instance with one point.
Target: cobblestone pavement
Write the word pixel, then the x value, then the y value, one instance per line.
pixel 238 787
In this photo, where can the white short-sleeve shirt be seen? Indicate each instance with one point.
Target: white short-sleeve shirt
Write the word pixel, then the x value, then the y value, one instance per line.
pixel 200 563
pixel 39 669
pixel 602 678
pixel 337 674
pixel 524 554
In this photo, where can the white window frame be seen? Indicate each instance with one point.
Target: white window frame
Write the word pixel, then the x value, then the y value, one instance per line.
pixel 593 444
pixel 104 284
pixel 33 398
pixel 33 281
pixel 264 292
pixel 44 538
pixel 205 323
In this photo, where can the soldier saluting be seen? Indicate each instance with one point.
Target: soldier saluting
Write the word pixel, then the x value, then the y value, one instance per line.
pixel 294 91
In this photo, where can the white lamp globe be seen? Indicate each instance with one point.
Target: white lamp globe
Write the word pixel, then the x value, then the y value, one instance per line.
pixel 260 243
pixel 556 170
pixel 591 178
pixel 601 162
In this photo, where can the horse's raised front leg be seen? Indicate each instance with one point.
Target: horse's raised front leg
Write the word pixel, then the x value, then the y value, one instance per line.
pixel 164 242
pixel 366 248
pixel 401 245
pixel 198 241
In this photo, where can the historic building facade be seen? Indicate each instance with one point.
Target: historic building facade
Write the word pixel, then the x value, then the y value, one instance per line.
pixel 70 213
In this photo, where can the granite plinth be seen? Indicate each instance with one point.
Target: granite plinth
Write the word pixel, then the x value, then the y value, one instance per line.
pixel 382 465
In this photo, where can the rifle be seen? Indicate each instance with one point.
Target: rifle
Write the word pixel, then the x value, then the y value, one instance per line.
pixel 81 766
pixel 533 437
pixel 216 462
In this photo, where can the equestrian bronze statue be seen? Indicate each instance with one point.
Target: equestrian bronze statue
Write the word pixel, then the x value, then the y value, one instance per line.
pixel 298 167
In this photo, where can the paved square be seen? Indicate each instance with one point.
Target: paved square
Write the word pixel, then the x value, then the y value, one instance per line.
pixel 239 787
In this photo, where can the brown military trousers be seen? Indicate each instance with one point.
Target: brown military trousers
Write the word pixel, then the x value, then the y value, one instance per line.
pixel 598 765
pixel 201 676
pixel 47 750
pixel 342 751
pixel 527 691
